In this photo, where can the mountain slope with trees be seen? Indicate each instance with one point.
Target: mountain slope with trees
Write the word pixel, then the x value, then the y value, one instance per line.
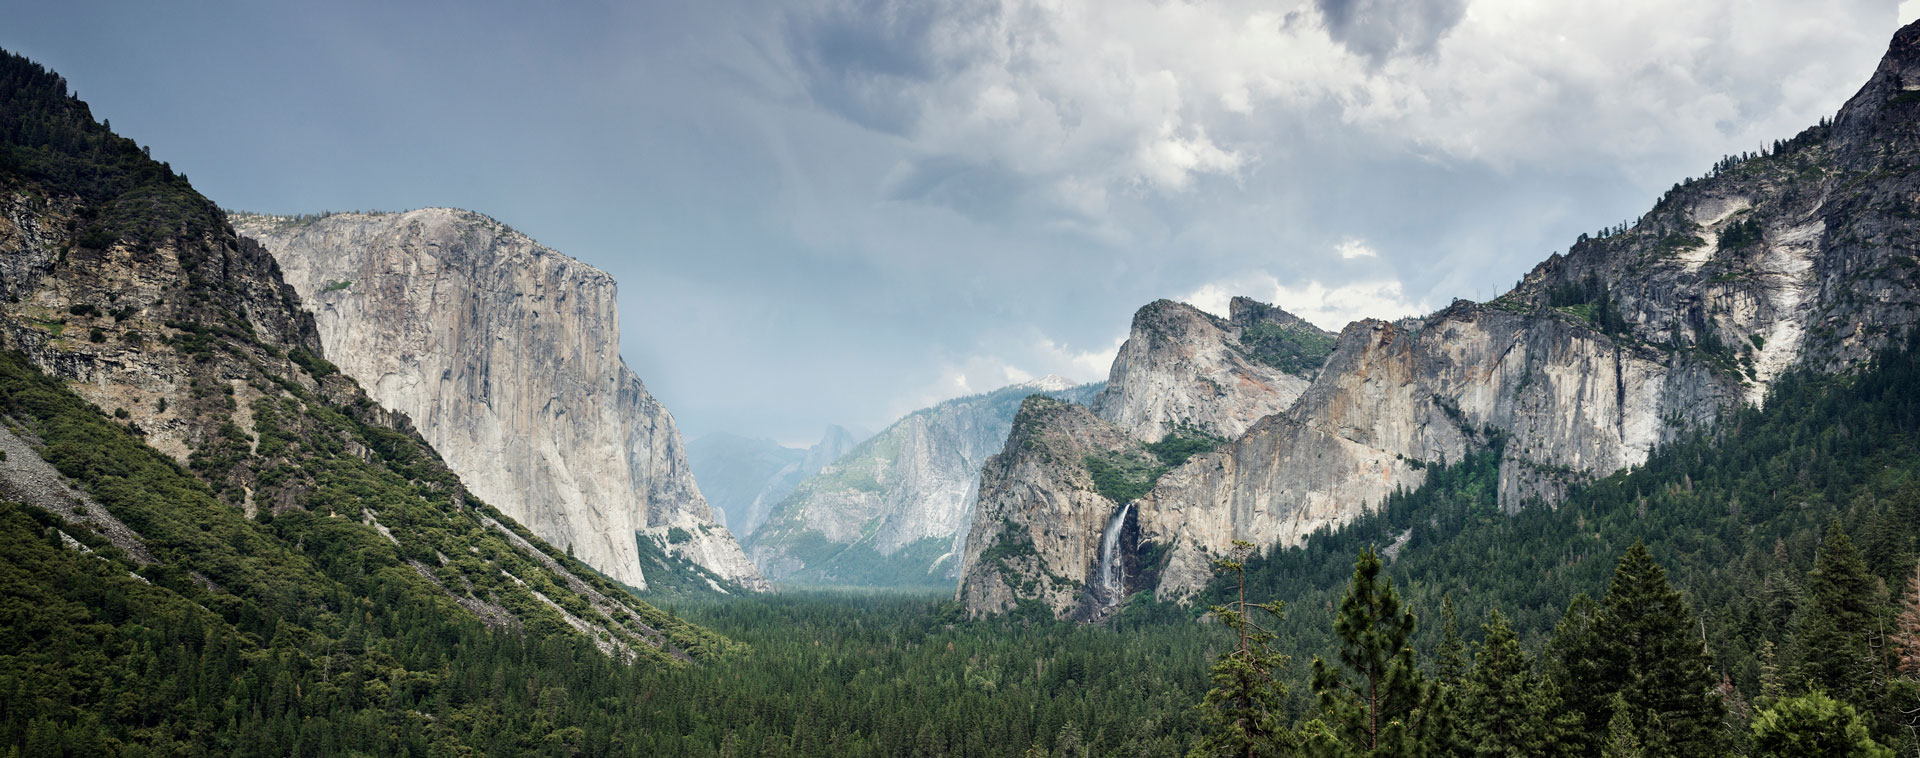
pixel 252 556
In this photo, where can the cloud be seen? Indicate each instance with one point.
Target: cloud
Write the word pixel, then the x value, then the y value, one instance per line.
pixel 1079 365
pixel 1330 307
pixel 1074 107
pixel 1352 248
pixel 1012 361
pixel 1378 29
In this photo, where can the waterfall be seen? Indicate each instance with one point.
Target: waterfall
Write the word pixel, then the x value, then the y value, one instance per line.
pixel 1113 575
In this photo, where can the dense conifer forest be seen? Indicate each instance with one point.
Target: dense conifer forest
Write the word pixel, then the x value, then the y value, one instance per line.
pixel 1796 609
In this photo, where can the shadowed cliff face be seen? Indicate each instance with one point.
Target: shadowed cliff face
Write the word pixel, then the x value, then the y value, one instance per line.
pixel 506 355
pixel 1799 257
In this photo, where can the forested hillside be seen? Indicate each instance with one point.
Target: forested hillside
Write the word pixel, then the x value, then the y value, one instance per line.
pixel 244 555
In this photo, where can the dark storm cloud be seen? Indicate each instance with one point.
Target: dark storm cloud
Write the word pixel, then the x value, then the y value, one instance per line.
pixel 1380 29
pixel 860 58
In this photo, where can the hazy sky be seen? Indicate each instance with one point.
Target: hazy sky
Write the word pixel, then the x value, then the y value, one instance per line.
pixel 834 212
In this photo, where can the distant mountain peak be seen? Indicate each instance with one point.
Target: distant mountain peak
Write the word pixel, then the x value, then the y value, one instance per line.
pixel 1049 383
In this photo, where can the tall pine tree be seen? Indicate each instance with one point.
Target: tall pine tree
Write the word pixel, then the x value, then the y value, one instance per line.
pixel 1833 635
pixel 1509 710
pixel 1651 654
pixel 1447 737
pixel 1575 661
pixel 1245 712
pixel 1372 705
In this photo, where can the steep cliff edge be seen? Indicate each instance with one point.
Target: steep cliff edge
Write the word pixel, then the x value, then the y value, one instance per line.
pixel 506 356
pixel 894 510
pixel 166 375
pixel 1802 255
pixel 1037 532
pixel 1182 368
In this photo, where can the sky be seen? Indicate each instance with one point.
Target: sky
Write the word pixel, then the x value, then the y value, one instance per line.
pixel 838 211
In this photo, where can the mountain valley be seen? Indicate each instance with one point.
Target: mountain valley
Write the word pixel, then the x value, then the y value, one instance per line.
pixel 382 483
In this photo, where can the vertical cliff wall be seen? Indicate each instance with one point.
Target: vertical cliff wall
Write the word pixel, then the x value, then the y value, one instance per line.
pixel 506 356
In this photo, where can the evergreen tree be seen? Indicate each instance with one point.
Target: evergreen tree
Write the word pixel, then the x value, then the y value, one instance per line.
pixel 1652 657
pixel 1813 725
pixel 1623 740
pixel 1447 732
pixel 1498 692
pixel 1376 712
pixel 1771 688
pixel 1450 659
pixel 1509 710
pixel 1574 661
pixel 1245 712
pixel 1833 635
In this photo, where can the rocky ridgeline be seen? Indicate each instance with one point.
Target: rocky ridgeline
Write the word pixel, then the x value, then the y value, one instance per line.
pixel 506 356
pixel 1184 368
pixel 1798 257
pixel 896 508
pixel 1182 373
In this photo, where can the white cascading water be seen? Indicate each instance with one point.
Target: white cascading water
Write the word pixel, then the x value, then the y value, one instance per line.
pixel 1113 575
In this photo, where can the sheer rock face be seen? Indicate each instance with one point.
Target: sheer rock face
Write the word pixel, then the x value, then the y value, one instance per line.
pixel 1800 258
pixel 1569 403
pixel 902 499
pixel 505 354
pixel 1183 367
pixel 1037 531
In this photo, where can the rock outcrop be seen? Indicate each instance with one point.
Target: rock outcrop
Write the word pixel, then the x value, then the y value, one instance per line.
pixel 506 356
pixel 1182 368
pixel 1036 535
pixel 1799 257
pixel 895 509
pixel 1564 402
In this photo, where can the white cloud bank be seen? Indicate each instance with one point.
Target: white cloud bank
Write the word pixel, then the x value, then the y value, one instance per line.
pixel 1075 100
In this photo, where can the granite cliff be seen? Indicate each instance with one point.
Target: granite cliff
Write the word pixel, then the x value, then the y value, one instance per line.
pixel 1183 382
pixel 1182 368
pixel 1798 256
pixel 506 356
pixel 894 510
pixel 167 401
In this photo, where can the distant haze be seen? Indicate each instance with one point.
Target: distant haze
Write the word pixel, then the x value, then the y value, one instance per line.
pixel 836 212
